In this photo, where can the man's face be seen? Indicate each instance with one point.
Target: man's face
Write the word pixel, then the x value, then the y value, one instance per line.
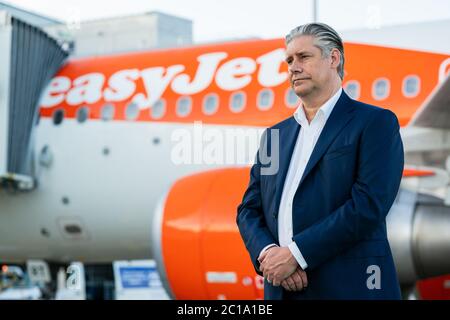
pixel 309 72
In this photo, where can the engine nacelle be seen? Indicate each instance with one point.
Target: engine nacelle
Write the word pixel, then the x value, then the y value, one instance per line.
pixel 198 249
pixel 419 235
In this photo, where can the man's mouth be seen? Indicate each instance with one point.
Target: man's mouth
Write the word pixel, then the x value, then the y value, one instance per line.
pixel 301 79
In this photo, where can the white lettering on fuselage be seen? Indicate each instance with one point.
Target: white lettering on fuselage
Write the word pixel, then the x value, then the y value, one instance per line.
pixel 234 74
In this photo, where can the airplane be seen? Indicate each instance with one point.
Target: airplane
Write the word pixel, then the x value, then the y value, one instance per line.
pixel 115 180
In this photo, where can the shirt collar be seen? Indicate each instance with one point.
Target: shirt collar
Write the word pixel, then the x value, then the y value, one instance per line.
pixel 324 110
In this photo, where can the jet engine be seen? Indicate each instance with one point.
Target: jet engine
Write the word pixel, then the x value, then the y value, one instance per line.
pixel 200 253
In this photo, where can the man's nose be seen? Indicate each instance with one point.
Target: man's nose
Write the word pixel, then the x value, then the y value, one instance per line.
pixel 294 70
pixel 295 67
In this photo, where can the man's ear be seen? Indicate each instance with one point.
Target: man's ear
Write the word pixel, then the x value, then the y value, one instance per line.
pixel 335 56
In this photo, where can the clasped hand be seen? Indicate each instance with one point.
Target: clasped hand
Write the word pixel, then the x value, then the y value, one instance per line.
pixel 279 267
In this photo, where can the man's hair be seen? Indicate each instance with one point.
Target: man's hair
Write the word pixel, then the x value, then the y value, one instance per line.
pixel 326 38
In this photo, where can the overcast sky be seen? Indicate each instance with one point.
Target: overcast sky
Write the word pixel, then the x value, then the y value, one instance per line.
pixel 230 19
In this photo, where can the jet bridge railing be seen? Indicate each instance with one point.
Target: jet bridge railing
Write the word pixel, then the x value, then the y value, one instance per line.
pixel 28 60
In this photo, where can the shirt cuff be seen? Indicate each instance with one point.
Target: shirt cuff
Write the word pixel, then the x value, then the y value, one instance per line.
pixel 297 255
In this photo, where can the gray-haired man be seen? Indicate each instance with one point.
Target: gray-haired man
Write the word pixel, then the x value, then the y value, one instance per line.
pixel 316 229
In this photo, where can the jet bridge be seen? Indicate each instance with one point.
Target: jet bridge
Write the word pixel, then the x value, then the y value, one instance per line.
pixel 28 60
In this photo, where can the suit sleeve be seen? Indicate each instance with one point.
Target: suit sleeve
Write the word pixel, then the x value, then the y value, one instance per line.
pixel 379 172
pixel 250 216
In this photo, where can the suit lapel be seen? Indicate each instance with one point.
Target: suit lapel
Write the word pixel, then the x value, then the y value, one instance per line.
pixel 338 119
pixel 288 138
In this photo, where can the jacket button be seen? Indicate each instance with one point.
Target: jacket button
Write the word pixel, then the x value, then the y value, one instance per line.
pixel 274 215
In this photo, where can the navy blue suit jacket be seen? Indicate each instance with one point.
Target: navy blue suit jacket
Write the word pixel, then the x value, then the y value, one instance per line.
pixel 340 206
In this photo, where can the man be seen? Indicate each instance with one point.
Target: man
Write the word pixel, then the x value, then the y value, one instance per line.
pixel 316 228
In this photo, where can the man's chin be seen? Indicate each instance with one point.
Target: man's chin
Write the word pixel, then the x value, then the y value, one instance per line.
pixel 301 91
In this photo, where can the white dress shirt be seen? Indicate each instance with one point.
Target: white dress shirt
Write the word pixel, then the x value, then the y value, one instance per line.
pixel 304 146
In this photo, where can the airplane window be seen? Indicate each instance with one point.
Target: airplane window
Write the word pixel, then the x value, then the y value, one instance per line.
pixel 132 111
pixel 380 89
pixel 265 99
pixel 82 114
pixel 411 86
pixel 210 104
pixel 352 88
pixel 291 98
pixel 107 112
pixel 58 117
pixel 184 106
pixel 237 101
pixel 158 110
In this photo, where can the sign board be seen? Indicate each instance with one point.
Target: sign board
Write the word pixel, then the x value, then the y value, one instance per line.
pixel 38 271
pixel 138 280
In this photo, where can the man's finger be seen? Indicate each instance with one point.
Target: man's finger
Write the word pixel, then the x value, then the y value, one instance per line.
pixel 262 266
pixel 262 256
pixel 297 281
pixel 265 274
pixel 291 283
pixel 264 261
pixel 285 285
pixel 276 281
pixel 304 278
